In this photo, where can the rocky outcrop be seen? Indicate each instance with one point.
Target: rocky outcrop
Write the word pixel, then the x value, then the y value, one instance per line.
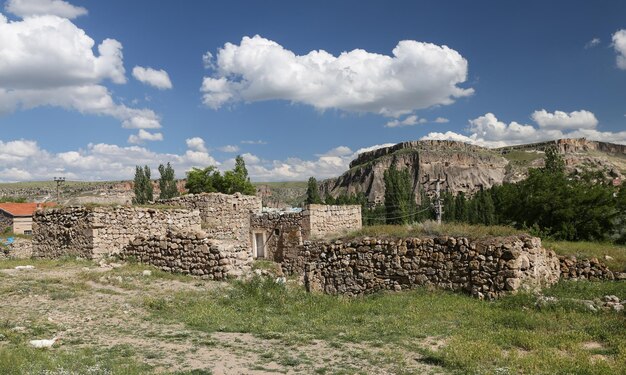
pixel 467 167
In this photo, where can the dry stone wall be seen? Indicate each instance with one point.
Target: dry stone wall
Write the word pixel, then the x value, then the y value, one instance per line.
pixel 93 232
pixel 193 253
pixel 321 220
pixel 584 269
pixel 485 269
pixel 224 216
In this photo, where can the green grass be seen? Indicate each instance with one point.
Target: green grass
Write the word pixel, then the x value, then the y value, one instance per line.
pixel 430 228
pixel 19 359
pixel 522 157
pixel 592 250
pixel 507 336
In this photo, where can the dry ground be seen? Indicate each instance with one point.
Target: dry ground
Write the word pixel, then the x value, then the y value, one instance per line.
pixel 90 306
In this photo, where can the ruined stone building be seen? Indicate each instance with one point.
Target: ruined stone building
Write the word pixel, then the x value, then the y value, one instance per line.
pixel 217 236
pixel 210 234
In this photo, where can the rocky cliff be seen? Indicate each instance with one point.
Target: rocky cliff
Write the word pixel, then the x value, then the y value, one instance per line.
pixel 467 168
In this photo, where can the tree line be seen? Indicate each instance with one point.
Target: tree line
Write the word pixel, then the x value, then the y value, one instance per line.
pixel 206 180
pixel 549 203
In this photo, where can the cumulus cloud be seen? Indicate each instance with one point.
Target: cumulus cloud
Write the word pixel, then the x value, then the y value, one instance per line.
pixel 48 61
pixel 441 120
pixel 417 75
pixel 143 136
pixel 619 44
pixel 152 77
pixel 111 162
pixel 95 162
pixel 408 121
pixel 196 144
pixel 229 148
pixel 254 142
pixel 488 131
pixel 561 120
pixel 592 43
pixel 27 8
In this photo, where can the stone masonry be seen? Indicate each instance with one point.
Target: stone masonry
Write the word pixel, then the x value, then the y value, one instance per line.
pixel 193 253
pixel 93 232
pixel 225 217
pixel 321 220
pixel 485 268
pixel 284 231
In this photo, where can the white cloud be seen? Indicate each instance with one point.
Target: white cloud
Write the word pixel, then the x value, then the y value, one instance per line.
pixel 418 75
pixel 592 43
pixel 196 144
pixel 143 135
pixel 619 44
pixel 229 148
pixel 338 151
pixel 95 162
pixel 441 120
pixel 207 60
pixel 408 121
pixel 254 142
pixel 561 120
pixel 156 78
pixel 27 8
pixel 488 131
pixel 49 61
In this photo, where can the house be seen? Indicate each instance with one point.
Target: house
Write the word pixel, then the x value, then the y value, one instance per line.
pixel 18 217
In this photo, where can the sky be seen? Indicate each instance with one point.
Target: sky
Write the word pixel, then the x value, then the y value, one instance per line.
pixel 90 89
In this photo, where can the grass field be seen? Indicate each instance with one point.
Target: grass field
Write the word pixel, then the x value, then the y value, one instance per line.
pixel 430 228
pixel 120 321
pixel 614 256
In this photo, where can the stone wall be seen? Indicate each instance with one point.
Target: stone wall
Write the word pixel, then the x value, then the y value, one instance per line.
pixel 321 220
pixel 191 253
pixel 223 216
pixel 93 232
pixel 485 269
pixel 281 232
pixel 21 248
pixel 584 269
pixel 6 221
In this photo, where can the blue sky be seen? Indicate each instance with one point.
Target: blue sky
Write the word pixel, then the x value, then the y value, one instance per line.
pixel 89 89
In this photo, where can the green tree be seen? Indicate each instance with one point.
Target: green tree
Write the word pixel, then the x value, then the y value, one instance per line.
pixel 399 199
pixel 207 180
pixel 460 207
pixel 312 192
pixel 167 182
pixel 554 162
pixel 237 180
pixel 142 185
pixel 210 180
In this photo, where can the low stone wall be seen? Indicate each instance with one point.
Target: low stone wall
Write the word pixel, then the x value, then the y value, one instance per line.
pixel 21 248
pixel 93 232
pixel 6 221
pixel 223 216
pixel 191 253
pixel 485 269
pixel 281 232
pixel 321 220
pixel 584 269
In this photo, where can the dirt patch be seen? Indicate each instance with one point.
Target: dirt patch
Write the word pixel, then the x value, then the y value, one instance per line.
pixel 103 308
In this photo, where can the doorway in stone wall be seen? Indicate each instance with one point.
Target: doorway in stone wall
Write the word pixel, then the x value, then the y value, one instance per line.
pixel 259 245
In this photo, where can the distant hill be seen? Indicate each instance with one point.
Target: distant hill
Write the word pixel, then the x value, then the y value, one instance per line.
pixel 467 168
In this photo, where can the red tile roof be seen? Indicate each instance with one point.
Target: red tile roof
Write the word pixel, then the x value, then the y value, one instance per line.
pixel 23 209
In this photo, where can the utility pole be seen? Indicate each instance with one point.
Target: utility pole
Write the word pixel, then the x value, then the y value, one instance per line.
pixel 438 181
pixel 59 181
